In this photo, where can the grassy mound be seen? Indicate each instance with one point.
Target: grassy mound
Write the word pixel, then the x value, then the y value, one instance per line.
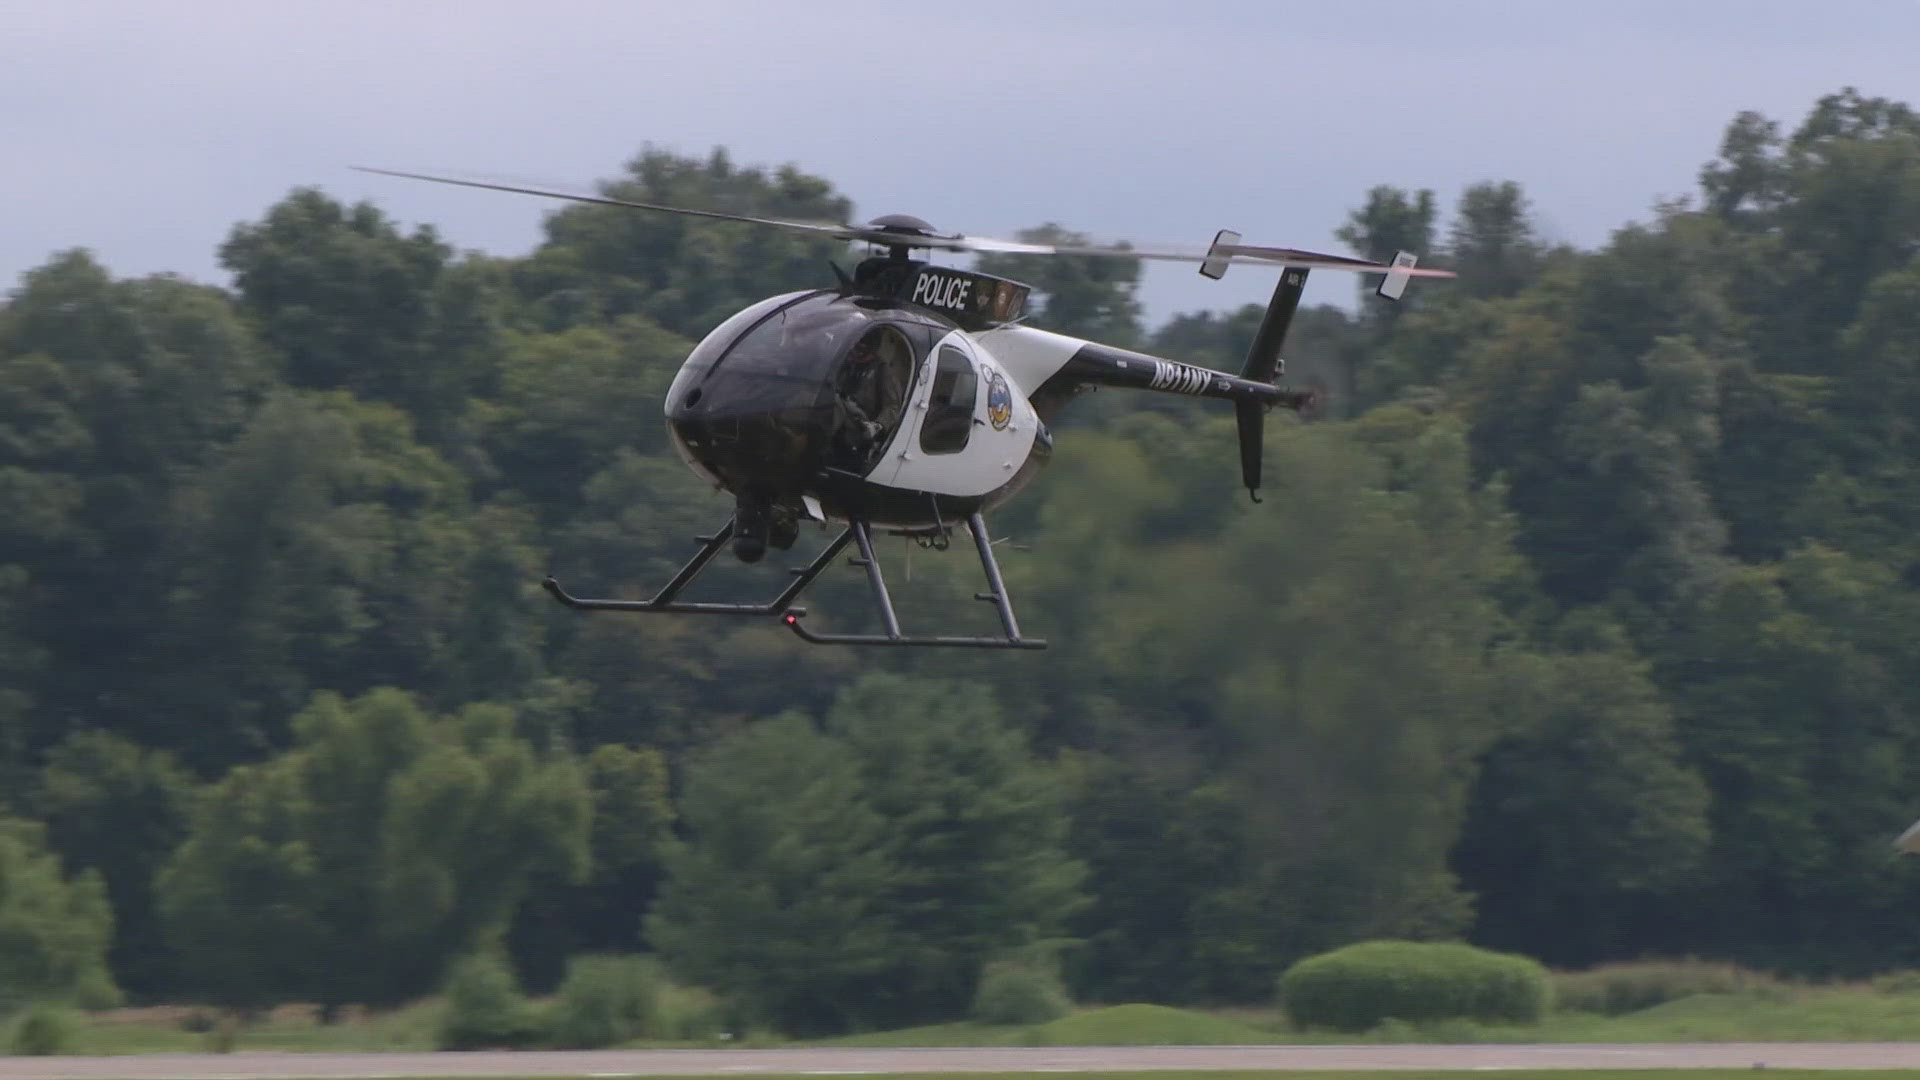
pixel 1147 1025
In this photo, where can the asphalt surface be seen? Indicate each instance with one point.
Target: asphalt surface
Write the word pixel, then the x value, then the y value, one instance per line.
pixel 835 1061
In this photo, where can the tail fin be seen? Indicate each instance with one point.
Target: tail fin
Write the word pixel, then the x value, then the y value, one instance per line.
pixel 1251 416
pixel 1264 364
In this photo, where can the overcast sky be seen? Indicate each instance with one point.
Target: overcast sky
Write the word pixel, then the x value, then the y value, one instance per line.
pixel 145 131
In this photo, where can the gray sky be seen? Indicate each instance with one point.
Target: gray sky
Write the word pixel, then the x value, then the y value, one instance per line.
pixel 145 131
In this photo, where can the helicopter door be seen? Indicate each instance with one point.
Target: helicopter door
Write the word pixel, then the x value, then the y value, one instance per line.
pixel 947 423
pixel 871 396
pixel 960 438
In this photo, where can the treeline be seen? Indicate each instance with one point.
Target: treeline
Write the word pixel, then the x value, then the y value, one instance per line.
pixel 1585 626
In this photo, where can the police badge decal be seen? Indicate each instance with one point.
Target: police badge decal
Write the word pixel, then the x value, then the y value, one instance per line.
pixel 999 402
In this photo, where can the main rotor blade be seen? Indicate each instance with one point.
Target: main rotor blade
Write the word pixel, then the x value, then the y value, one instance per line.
pixel 1277 256
pixel 949 242
pixel 836 231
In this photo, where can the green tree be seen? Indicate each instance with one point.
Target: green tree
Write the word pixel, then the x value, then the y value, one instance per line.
pixel 775 898
pixel 1491 243
pixel 109 392
pixel 1350 722
pixel 351 303
pixel 1865 500
pixel 327 548
pixel 632 826
pixel 1168 864
pixel 1790 685
pixel 603 262
pixel 1605 457
pixel 1631 474
pixel 570 402
pixel 1745 183
pixel 356 865
pixel 1585 821
pixel 974 841
pixel 120 809
pixel 237 899
pixel 1391 221
pixel 54 930
pixel 1850 212
pixel 863 875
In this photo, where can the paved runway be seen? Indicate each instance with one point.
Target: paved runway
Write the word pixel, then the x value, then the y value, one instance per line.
pixel 834 1061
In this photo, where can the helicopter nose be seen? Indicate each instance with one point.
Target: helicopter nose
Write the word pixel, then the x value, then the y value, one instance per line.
pixel 775 452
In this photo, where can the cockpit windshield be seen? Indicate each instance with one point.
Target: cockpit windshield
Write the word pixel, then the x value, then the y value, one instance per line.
pixel 785 359
pixel 808 381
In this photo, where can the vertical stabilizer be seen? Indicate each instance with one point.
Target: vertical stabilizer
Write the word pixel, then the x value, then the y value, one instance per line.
pixel 1264 364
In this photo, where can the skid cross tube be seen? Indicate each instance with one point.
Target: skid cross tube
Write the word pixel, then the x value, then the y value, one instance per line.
pixel 664 601
pixel 864 535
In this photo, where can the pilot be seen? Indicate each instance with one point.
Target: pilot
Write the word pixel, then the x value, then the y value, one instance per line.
pixel 860 387
pixel 872 388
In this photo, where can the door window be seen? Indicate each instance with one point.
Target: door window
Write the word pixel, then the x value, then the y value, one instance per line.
pixel 949 419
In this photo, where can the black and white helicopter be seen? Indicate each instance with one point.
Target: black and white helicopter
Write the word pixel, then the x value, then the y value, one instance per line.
pixel 909 398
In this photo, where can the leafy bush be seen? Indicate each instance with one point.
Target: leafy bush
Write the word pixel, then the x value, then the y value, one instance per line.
pixel 485 1008
pixel 1355 988
pixel 606 1000
pixel 691 1013
pixel 1615 989
pixel 96 991
pixel 1016 992
pixel 54 929
pixel 43 1031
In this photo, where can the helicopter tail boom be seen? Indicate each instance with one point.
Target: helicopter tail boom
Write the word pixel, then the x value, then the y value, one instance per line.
pixel 1103 365
pixel 1051 367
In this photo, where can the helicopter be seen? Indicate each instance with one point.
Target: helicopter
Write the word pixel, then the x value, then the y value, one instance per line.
pixel 911 398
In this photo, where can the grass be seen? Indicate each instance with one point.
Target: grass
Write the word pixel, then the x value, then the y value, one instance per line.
pixel 1812 1015
pixel 1118 1025
pixel 1830 1014
pixel 1770 1014
pixel 179 1030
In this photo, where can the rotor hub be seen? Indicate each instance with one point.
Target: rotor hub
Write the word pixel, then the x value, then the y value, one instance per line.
pixel 901 223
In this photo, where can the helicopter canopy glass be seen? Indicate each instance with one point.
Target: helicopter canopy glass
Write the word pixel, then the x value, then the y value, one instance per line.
pixel 784 360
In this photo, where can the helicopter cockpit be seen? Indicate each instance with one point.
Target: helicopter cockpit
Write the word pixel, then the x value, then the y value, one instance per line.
pixel 804 382
pixel 870 392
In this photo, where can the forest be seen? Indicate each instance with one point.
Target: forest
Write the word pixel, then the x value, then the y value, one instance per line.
pixel 1584 624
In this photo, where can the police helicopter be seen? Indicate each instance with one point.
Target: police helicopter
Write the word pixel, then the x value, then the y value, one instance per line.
pixel 909 398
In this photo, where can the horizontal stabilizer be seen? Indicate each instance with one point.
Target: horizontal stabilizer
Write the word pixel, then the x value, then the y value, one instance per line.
pixel 1395 283
pixel 1216 265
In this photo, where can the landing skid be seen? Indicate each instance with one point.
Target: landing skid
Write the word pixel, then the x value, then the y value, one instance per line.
pixel 664 601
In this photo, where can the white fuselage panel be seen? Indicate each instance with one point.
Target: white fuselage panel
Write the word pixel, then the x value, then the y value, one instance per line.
pixel 1002 435
pixel 1029 356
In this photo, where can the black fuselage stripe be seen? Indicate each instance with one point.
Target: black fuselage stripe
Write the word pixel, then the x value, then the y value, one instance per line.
pixel 1103 365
